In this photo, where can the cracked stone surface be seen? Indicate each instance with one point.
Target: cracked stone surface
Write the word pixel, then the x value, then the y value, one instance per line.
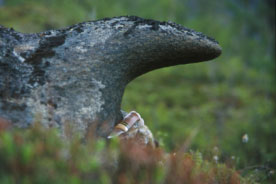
pixel 77 75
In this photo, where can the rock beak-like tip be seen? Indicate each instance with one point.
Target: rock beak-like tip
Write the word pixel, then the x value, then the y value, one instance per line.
pixel 185 45
pixel 214 51
pixel 204 49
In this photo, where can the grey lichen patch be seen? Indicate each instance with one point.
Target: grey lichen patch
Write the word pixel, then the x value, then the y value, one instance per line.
pixel 56 106
pixel 23 50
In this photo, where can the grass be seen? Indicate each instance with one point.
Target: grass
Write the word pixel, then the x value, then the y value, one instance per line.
pixel 39 155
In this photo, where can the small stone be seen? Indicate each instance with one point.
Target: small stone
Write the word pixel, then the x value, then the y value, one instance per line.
pixel 245 138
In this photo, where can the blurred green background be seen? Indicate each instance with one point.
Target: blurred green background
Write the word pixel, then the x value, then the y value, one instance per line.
pixel 206 106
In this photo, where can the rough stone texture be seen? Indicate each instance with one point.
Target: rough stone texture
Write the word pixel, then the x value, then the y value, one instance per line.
pixel 76 76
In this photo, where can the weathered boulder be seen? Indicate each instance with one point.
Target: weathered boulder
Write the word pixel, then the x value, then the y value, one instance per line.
pixel 76 76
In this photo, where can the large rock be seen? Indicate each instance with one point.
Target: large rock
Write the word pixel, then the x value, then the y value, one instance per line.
pixel 76 76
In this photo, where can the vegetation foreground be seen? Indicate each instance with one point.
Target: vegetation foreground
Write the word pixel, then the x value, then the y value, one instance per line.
pixel 208 105
pixel 38 155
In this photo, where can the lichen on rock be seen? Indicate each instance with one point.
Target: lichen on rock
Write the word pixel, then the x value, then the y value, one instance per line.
pixel 77 75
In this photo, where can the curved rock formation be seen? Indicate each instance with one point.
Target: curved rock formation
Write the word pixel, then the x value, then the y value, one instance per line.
pixel 76 76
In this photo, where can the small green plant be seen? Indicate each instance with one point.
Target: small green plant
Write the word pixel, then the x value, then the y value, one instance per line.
pixel 38 155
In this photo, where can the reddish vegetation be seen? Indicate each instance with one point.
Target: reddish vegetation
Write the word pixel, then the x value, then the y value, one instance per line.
pixel 37 155
pixel 138 165
pixel 4 124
